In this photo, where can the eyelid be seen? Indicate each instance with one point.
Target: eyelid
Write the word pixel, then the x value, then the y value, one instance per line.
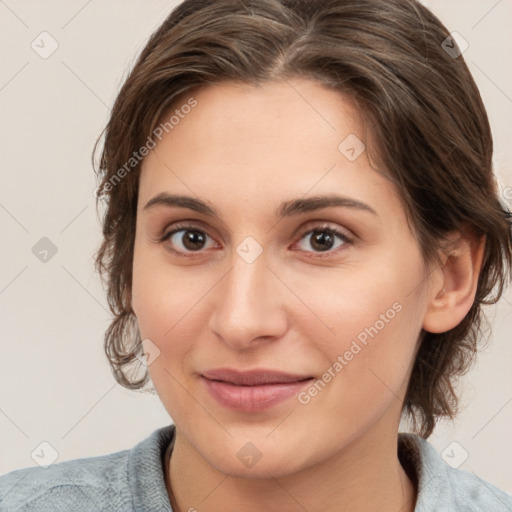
pixel 325 226
pixel 183 226
pixel 307 229
pixel 314 225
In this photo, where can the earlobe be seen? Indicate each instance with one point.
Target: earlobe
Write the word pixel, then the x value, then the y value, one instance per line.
pixel 450 302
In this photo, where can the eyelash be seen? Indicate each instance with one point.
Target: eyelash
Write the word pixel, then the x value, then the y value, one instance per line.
pixel 320 228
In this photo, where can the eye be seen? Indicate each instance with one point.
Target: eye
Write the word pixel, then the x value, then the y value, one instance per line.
pixel 186 239
pixel 323 240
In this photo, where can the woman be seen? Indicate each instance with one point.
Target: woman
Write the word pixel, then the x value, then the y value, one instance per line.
pixel 302 225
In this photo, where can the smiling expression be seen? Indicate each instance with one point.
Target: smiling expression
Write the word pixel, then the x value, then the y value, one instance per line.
pixel 263 246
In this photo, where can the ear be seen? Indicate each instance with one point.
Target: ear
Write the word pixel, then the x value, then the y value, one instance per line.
pixel 453 293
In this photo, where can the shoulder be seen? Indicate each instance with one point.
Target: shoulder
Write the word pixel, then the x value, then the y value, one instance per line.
pixel 442 487
pixel 98 483
pixel 79 484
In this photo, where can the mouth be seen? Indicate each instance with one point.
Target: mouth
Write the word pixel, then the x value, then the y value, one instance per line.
pixel 253 390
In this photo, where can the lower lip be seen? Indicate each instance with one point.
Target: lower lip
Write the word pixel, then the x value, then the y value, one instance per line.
pixel 252 398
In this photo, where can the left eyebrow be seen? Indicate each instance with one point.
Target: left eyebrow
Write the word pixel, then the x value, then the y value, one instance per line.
pixel 286 209
pixel 297 206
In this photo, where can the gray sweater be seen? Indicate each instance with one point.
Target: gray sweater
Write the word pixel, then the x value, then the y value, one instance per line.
pixel 133 481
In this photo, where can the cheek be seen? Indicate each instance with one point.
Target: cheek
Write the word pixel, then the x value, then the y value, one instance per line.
pixel 375 316
pixel 169 304
pixel 363 375
pixel 163 301
pixel 158 307
pixel 358 301
pixel 161 294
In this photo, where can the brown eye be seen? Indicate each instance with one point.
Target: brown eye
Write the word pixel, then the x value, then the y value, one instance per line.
pixel 186 239
pixel 193 240
pixel 323 239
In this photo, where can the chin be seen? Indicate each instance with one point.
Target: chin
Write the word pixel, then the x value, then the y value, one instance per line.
pixel 272 467
pixel 260 459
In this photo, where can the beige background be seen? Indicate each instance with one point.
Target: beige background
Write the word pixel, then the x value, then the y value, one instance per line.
pixel 55 385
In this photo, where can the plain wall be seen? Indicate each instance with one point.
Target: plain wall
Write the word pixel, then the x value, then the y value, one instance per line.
pixel 55 383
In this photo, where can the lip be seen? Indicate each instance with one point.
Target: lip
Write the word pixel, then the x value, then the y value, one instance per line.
pixel 253 390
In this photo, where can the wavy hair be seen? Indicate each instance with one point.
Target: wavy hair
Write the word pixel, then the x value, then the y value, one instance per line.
pixel 417 98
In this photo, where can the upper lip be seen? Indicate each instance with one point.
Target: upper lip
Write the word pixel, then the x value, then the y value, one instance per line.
pixel 252 377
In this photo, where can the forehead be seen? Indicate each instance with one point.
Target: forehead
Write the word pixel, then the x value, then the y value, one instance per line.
pixel 260 144
pixel 276 111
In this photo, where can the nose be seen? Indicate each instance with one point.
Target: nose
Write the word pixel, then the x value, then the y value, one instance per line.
pixel 248 306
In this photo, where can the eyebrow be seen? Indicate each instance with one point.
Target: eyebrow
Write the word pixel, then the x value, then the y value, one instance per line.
pixel 286 209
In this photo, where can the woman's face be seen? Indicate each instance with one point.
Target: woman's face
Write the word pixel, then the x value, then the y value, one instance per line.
pixel 282 327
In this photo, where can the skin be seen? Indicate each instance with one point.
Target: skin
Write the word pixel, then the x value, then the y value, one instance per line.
pixel 244 150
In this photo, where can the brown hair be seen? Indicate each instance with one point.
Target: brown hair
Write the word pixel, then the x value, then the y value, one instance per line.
pixel 418 100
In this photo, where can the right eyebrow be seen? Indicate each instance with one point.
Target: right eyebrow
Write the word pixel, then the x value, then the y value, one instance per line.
pixel 181 201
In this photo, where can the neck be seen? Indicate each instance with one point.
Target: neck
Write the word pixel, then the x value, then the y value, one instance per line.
pixel 365 476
